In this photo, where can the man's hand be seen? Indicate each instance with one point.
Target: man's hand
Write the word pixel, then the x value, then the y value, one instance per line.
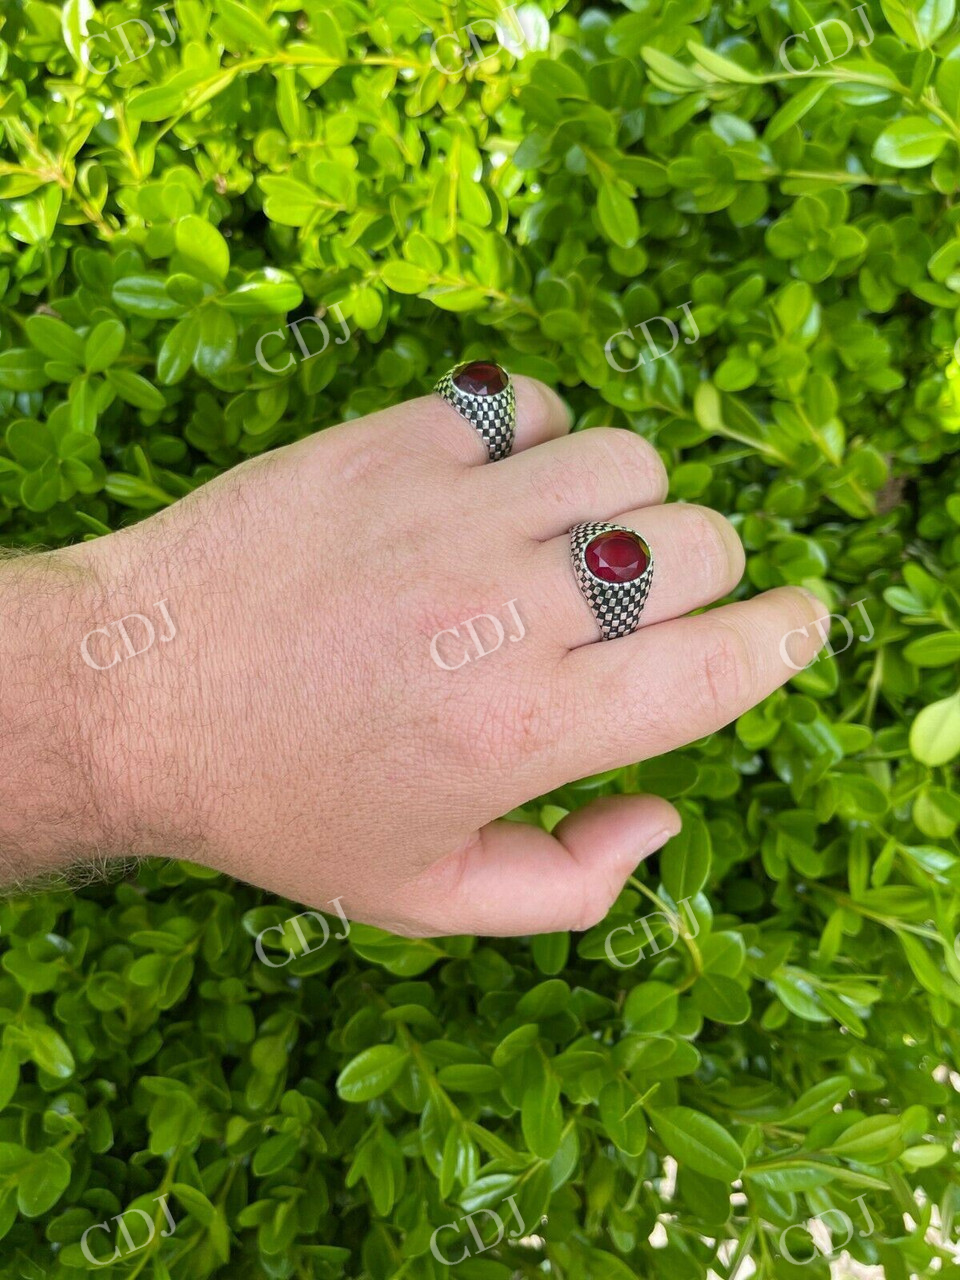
pixel 333 716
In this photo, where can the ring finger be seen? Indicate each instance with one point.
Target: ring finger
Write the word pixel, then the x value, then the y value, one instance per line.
pixel 698 558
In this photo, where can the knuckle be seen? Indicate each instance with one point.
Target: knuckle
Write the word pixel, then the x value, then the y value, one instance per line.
pixel 635 458
pixel 540 403
pixel 565 481
pixel 713 545
pixel 725 671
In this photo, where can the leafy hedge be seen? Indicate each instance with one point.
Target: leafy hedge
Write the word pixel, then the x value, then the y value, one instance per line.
pixel 160 214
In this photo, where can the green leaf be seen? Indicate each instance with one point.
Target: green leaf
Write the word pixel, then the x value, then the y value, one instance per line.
pixel 720 998
pixel 275 1153
pixel 618 217
pixel 9 1075
pixel 145 296
pixel 469 1077
pixel 935 733
pixel 42 1182
pixel 74 19
pixel 939 650
pixel 541 1116
pixel 371 1073
pixel 289 202
pixel 667 73
pixel 550 951
pixel 685 861
pixel 243 28
pixel 163 101
pixel 30 442
pixel 136 390
pixel 204 249
pixel 794 109
pixel 817 1101
pixel 918 22
pixel 694 1139
pixel 54 338
pixel 40 490
pixel 868 1141
pixel 720 67
pixel 47 1049
pixel 623 1118
pixel 103 346
pixel 910 142
pixel 195 1202
pixel 268 160
pixel 404 277
pixel 651 1007
pixel 22 370
pixel 33 221
pixel 178 350
pixel 216 343
pixel 273 293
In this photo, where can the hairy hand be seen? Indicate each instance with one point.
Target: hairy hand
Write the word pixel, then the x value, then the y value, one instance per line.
pixel 332 719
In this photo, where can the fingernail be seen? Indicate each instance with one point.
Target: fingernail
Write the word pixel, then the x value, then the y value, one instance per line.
pixel 658 841
pixel 571 413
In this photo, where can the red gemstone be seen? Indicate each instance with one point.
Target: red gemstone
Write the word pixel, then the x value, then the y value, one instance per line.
pixel 617 557
pixel 480 378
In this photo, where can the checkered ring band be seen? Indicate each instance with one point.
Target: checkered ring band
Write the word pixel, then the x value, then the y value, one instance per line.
pixel 617 606
pixel 493 415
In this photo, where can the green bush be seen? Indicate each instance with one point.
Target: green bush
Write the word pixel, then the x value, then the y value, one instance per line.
pixel 167 203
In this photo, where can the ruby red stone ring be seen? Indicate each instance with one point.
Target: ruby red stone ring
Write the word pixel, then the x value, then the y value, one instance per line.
pixel 614 568
pixel 482 393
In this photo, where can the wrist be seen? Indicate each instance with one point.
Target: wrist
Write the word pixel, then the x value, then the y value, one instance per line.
pixel 132 700
pixel 51 798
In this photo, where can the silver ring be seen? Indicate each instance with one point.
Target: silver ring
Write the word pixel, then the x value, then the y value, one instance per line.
pixel 614 569
pixel 482 392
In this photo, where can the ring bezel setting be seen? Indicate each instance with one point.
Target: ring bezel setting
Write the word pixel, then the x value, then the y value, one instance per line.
pixel 614 569
pixel 481 392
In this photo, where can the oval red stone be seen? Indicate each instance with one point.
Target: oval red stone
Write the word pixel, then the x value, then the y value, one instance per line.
pixel 480 378
pixel 617 556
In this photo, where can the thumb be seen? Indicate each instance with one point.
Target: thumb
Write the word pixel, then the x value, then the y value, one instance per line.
pixel 516 879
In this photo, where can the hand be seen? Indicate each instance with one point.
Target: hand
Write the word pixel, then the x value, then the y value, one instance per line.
pixel 309 728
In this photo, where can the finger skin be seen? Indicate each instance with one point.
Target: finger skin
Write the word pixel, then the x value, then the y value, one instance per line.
pixel 698 558
pixel 596 474
pixel 669 684
pixel 516 879
pixel 431 426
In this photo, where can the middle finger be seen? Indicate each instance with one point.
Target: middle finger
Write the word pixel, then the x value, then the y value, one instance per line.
pixel 544 490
